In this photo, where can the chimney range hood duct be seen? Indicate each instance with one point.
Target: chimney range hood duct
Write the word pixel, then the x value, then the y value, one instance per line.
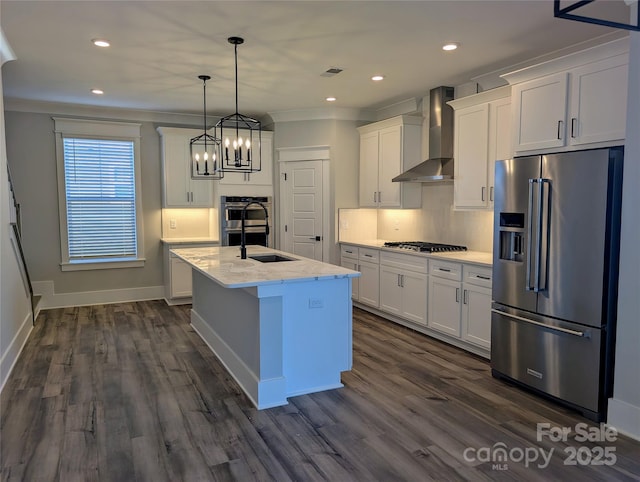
pixel 439 166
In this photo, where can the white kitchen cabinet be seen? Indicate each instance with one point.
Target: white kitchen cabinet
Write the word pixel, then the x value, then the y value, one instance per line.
pixel 482 135
pixel 177 273
pixel 598 108
pixel 388 148
pixel 264 177
pixel 445 291
pixel 178 189
pixel 369 284
pixel 476 305
pixel 180 278
pixel 349 259
pixel 403 286
pixel 574 102
pixel 540 112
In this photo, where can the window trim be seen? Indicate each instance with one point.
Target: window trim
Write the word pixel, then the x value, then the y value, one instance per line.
pixel 95 129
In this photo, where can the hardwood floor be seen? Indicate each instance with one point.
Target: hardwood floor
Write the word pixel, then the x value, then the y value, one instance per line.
pixel 130 392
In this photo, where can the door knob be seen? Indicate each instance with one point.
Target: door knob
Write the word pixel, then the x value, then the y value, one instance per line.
pixel 316 238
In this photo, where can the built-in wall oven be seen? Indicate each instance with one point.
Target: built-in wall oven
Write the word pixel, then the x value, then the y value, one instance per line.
pixel 231 208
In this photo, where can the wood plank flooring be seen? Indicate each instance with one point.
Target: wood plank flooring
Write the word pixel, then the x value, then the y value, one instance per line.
pixel 129 392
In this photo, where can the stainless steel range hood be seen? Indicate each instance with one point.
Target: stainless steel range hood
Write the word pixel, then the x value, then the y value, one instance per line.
pixel 439 166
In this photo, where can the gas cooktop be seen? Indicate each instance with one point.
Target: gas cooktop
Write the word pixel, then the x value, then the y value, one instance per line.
pixel 424 246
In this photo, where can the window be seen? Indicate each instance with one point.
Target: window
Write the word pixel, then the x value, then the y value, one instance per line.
pixel 98 185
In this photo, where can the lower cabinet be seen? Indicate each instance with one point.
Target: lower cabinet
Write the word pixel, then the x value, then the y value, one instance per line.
pixel 349 260
pixel 369 267
pixel 366 288
pixel 476 305
pixel 403 286
pixel 445 286
pixel 180 279
pixel 436 296
pixel 460 301
pixel 177 274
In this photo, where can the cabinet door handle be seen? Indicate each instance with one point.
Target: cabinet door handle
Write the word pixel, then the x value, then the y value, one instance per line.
pixel 483 277
pixel 457 295
pixel 560 123
pixel 401 281
pixel 446 270
pixel 379 196
pixel 465 297
pixel 573 127
pixel 375 196
pixel 482 195
pixel 491 194
pixel 368 255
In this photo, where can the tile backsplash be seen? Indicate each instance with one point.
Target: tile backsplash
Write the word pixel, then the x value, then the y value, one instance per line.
pixel 435 222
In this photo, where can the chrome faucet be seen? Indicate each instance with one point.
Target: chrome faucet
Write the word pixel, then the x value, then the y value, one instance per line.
pixel 243 244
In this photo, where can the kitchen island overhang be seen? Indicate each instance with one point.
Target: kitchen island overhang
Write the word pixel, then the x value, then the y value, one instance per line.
pixel 280 328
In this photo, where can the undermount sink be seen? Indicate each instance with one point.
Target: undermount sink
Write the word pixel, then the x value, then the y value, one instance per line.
pixel 270 258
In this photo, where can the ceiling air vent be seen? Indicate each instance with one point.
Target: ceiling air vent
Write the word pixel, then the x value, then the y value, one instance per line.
pixel 330 72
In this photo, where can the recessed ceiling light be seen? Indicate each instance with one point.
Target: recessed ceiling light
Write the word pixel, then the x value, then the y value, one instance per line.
pixel 450 46
pixel 377 78
pixel 330 99
pixel 100 42
pixel 97 91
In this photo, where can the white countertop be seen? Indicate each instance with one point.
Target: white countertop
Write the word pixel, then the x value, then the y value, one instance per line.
pixel 224 266
pixel 481 258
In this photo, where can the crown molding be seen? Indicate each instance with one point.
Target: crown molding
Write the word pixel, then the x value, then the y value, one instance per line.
pixel 323 113
pixel 59 108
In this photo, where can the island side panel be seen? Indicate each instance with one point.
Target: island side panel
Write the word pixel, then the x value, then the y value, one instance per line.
pixel 242 330
pixel 317 334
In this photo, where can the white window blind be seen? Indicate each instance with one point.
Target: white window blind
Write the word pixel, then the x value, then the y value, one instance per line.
pixel 100 198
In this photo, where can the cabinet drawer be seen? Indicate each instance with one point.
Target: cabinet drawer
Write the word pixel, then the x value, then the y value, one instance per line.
pixel 348 251
pixel 445 269
pixel 366 254
pixel 404 261
pixel 477 275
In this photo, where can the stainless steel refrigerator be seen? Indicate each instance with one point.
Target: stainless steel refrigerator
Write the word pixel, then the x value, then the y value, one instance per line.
pixel 555 274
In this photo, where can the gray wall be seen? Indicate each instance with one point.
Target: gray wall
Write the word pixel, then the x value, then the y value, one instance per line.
pixel 31 156
pixel 344 141
pixel 14 299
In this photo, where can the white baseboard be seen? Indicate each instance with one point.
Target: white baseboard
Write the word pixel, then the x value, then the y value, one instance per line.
pixel 263 394
pixel 51 299
pixel 624 417
pixel 10 356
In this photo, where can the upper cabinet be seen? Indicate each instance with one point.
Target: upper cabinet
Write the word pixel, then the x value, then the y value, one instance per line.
pixel 574 102
pixel 178 189
pixel 482 135
pixel 263 177
pixel 388 148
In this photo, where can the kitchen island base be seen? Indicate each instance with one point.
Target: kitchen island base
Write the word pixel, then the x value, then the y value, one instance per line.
pixel 277 340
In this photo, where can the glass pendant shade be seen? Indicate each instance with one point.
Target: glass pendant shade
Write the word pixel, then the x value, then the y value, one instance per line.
pixel 240 136
pixel 204 150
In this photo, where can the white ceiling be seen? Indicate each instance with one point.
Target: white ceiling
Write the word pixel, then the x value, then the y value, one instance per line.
pixel 160 47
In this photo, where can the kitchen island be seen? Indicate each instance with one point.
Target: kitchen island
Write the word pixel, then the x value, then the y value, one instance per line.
pixel 281 327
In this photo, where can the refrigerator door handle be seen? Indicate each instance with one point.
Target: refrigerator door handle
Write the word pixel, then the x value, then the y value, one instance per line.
pixel 529 287
pixel 536 280
pixel 581 334
pixel 542 235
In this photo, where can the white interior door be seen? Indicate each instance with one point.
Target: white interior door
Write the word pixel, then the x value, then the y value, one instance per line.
pixel 301 187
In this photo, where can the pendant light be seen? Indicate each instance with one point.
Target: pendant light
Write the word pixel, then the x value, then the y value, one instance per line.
pixel 204 149
pixel 240 135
